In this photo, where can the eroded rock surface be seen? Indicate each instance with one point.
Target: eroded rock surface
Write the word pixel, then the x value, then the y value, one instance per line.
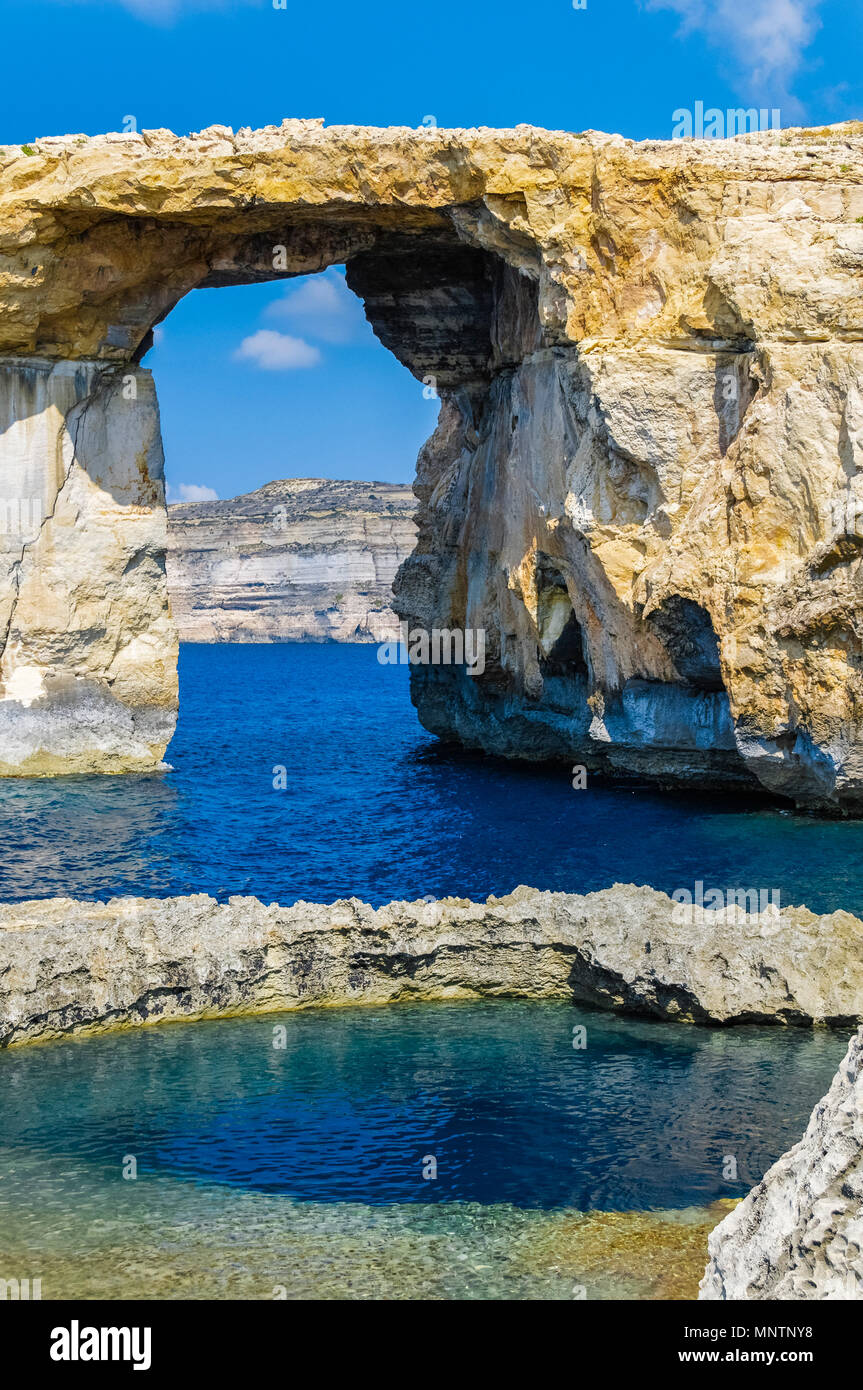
pixel 645 484
pixel 70 966
pixel 88 651
pixel 304 559
pixel 799 1233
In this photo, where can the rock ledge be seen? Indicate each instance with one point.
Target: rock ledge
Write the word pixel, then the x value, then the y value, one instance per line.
pixel 70 966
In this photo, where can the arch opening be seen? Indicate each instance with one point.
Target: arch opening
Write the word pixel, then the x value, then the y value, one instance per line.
pixel 101 695
pixel 686 630
pixel 290 436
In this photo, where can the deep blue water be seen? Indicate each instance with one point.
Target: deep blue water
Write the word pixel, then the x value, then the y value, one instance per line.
pixel 374 807
pixel 643 1118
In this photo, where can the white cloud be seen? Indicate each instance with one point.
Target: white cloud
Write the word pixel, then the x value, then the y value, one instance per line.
pixel 323 307
pixel 277 352
pixel 165 11
pixel 764 39
pixel 192 492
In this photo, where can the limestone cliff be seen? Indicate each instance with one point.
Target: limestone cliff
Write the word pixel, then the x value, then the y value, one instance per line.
pixel 799 1233
pixel 89 651
pixel 647 480
pixel 305 559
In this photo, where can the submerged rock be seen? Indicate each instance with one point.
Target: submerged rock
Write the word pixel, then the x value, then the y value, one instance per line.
pixel 189 1241
pixel 799 1233
pixel 69 966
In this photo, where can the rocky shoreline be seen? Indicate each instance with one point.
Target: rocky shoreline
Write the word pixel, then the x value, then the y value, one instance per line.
pixel 799 1233
pixel 69 966
pixel 74 967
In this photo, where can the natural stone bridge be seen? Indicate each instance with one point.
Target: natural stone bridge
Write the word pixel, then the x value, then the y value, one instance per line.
pixel 646 480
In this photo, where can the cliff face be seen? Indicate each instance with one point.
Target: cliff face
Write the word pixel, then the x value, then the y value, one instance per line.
pixel 660 525
pixel 647 480
pixel 799 1233
pixel 305 559
pixel 88 672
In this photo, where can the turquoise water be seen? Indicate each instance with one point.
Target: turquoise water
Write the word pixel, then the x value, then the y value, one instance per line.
pixel 495 1092
pixel 301 1170
pixel 197 1160
pixel 376 807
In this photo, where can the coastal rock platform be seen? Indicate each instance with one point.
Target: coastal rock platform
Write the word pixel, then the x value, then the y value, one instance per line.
pixel 69 966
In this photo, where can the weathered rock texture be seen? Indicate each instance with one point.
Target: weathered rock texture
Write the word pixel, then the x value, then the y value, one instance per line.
pixel 799 1233
pixel 88 671
pixel 648 472
pixel 305 560
pixel 70 966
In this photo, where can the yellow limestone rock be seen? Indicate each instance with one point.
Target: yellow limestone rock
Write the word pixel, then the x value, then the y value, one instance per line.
pixel 646 481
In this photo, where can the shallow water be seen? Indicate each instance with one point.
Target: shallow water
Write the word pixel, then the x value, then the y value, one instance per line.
pixel 299 1171
pixel 178 1240
pixel 374 807
pixel 303 1166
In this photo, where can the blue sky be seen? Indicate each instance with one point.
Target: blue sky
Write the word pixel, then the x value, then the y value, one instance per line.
pixel 282 381
pixel 239 408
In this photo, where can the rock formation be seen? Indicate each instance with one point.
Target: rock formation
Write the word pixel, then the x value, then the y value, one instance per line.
pixel 89 651
pixel 304 560
pixel 647 478
pixel 799 1233
pixel 70 966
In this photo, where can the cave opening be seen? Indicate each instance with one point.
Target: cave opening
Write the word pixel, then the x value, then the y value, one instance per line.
pixel 561 639
pixel 686 630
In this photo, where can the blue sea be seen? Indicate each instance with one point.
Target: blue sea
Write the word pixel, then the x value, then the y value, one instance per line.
pixel 198 1160
pixel 374 807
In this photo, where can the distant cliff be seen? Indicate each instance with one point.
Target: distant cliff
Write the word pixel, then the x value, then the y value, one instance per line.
pixel 304 559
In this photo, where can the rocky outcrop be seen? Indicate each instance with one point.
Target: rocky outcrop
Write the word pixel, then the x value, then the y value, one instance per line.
pixel 305 559
pixel 88 651
pixel 645 485
pixel 69 966
pixel 799 1233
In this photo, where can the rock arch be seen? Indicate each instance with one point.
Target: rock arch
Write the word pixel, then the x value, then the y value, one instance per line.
pixel 588 308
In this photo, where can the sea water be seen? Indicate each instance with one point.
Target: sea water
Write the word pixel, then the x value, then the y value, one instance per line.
pixel 447 1149
pixel 440 1150
pixel 301 771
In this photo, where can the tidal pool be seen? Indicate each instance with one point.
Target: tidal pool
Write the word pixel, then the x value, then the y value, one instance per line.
pixel 452 1150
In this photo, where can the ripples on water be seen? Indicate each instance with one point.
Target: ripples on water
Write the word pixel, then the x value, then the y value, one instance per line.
pixel 304 1165
pixel 302 1168
pixel 495 1091
pixel 375 808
